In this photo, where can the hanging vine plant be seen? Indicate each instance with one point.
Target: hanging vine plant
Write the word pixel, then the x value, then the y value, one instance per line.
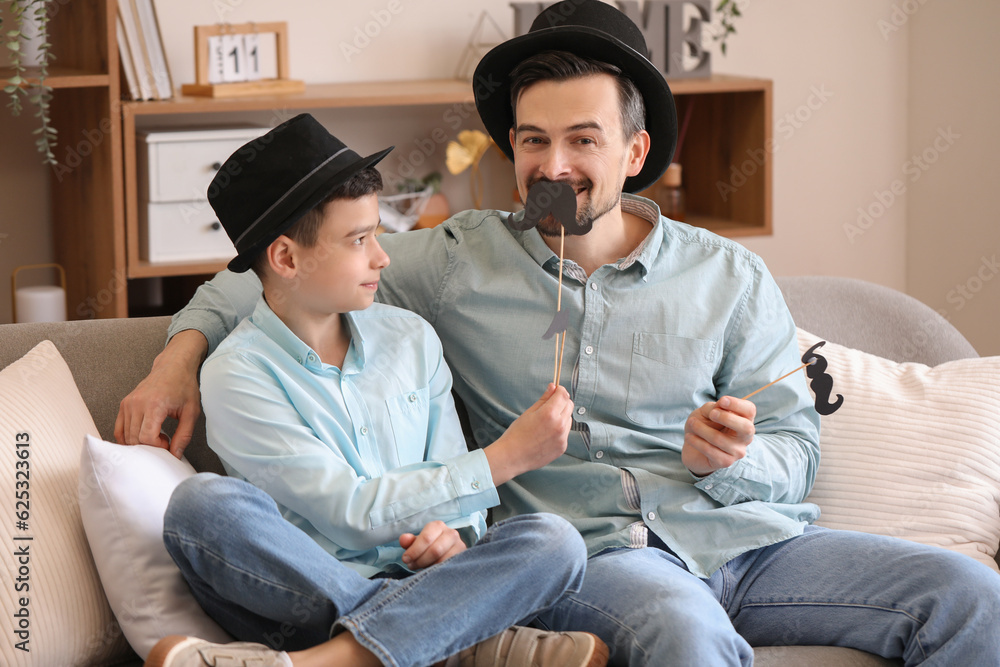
pixel 19 87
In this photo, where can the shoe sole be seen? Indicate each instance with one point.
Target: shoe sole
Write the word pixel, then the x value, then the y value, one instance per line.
pixel 161 652
pixel 599 653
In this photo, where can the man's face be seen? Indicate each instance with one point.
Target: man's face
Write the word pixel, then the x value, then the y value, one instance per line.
pixel 571 131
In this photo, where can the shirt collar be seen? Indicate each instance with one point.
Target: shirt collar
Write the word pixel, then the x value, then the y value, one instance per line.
pixel 265 320
pixel 644 253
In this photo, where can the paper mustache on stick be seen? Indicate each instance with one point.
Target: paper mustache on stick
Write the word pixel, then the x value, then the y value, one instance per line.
pixel 552 198
pixel 820 381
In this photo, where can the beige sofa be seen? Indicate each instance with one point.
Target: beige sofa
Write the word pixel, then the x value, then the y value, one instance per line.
pixel 109 357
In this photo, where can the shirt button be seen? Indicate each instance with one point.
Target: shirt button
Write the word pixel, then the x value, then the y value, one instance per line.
pixel 475 484
pixel 312 357
pixel 651 516
pixel 581 411
pixel 599 455
pixel 364 430
pixel 708 487
pixel 593 286
pixel 412 398
pixel 589 349
pixel 298 359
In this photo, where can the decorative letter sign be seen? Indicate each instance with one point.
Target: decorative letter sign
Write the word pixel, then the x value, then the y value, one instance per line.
pixel 663 27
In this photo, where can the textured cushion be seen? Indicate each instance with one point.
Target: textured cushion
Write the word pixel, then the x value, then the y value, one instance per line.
pixel 913 452
pixel 123 494
pixel 55 582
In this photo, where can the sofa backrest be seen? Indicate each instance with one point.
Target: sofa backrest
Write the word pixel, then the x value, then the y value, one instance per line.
pixel 873 318
pixel 110 357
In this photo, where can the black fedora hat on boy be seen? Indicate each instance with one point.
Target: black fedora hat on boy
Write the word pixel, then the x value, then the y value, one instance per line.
pixel 591 29
pixel 271 182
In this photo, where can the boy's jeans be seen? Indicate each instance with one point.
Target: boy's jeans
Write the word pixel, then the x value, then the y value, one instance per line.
pixel 264 580
pixel 826 587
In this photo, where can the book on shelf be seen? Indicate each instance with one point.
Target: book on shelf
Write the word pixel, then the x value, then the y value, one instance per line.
pixel 142 47
pixel 132 48
pixel 125 58
pixel 154 43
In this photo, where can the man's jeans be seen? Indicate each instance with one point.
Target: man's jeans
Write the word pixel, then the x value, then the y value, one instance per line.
pixel 264 580
pixel 838 588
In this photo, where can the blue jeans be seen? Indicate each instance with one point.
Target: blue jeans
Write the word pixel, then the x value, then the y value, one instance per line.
pixel 264 580
pixel 886 596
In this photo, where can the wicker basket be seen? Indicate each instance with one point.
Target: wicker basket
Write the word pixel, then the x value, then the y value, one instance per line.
pixel 400 212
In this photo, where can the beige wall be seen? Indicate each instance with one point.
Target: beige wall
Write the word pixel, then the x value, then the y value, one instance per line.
pixel 954 225
pixel 841 108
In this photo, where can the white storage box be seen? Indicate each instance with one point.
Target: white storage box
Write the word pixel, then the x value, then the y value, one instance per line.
pixel 175 168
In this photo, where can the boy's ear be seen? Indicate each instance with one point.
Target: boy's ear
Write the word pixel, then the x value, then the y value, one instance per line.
pixel 281 257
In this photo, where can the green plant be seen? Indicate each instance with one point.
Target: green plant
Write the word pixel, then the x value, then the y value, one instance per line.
pixel 728 11
pixel 19 86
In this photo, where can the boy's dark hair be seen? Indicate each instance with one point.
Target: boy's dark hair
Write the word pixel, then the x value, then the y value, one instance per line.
pixel 562 66
pixel 305 231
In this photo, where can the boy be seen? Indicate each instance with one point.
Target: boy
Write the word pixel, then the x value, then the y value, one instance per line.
pixel 349 544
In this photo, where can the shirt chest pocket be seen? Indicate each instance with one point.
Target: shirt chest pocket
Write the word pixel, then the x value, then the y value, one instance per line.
pixel 668 378
pixel 409 417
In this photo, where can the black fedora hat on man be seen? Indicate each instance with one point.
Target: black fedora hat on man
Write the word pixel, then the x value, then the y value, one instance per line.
pixel 271 182
pixel 591 29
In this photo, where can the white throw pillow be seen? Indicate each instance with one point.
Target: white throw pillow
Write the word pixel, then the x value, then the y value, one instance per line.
pixel 52 601
pixel 123 495
pixel 914 451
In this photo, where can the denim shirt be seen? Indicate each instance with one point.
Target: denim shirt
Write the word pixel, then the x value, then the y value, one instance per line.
pixel 686 319
pixel 354 456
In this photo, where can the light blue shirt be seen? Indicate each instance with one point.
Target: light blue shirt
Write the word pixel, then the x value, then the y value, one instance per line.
pixel 354 456
pixel 687 318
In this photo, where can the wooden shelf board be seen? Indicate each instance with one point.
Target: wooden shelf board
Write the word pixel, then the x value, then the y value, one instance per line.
pixel 323 95
pixel 63 77
pixel 145 269
pixel 724 227
pixel 717 83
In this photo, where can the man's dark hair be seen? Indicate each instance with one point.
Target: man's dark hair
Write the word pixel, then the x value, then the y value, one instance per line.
pixel 562 66
pixel 305 231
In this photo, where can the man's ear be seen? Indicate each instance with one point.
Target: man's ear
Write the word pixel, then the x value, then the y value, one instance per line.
pixel 637 152
pixel 281 256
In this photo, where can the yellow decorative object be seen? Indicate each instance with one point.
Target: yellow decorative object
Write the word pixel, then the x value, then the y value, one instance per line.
pixel 466 153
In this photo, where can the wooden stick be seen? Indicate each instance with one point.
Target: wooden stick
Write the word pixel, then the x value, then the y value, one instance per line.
pixel 555 362
pixel 557 375
pixel 808 363
pixel 561 348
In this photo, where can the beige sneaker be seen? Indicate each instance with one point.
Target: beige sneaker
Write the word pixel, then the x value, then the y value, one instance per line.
pixel 177 651
pixel 528 647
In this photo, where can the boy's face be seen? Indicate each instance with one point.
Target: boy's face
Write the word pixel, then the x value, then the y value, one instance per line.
pixel 341 272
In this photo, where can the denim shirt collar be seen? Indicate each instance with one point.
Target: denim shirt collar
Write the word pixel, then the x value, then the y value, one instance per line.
pixel 265 319
pixel 644 254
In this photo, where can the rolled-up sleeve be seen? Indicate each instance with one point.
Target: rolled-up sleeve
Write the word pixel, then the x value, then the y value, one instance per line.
pixel 218 306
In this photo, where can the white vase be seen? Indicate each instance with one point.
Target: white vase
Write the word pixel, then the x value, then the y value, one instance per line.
pixel 32 38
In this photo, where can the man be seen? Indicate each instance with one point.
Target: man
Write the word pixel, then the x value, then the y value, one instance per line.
pixel 689 499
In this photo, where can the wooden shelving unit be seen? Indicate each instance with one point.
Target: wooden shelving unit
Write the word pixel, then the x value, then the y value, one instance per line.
pixel 729 128
pixel 95 192
pixel 316 96
pixel 741 105
pixel 87 187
